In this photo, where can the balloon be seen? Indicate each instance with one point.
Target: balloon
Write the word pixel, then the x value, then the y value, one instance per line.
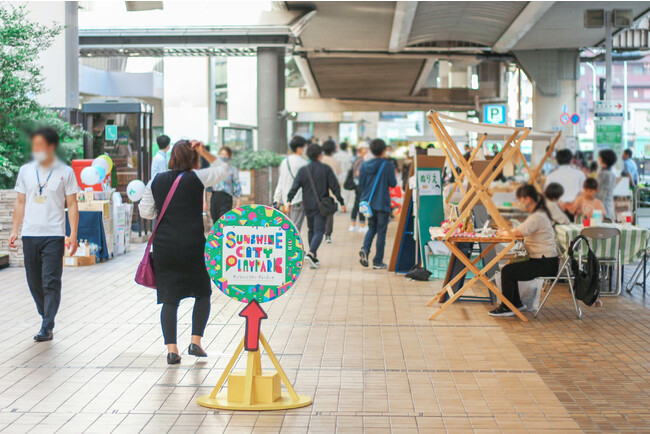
pixel 90 175
pixel 135 190
pixel 108 160
pixel 101 171
pixel 101 162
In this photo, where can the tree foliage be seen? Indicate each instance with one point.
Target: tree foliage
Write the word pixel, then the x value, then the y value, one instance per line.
pixel 21 43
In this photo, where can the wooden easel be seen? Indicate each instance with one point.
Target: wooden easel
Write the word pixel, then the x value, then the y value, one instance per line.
pixel 477 191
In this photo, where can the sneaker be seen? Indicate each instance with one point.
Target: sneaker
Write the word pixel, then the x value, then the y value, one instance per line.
pixel 328 239
pixel 312 260
pixel 381 266
pixel 504 311
pixel 363 229
pixel 363 257
pixel 353 229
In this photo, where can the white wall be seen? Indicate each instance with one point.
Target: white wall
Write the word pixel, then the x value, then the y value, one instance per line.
pixel 58 73
pixel 186 98
pixel 242 90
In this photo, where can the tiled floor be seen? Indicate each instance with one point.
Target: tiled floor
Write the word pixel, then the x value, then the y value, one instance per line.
pixel 358 341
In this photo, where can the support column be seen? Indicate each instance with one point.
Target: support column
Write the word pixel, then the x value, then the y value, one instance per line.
pixel 272 127
pixel 555 75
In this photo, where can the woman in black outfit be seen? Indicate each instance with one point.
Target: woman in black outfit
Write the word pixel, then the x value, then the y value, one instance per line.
pixel 180 241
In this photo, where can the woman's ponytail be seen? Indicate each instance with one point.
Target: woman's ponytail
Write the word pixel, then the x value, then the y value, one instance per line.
pixel 528 190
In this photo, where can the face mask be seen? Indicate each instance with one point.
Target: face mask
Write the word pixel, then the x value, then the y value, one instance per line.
pixel 225 159
pixel 40 156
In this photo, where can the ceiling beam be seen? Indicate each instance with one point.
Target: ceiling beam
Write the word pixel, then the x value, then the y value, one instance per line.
pixel 427 67
pixel 525 21
pixel 307 75
pixel 402 22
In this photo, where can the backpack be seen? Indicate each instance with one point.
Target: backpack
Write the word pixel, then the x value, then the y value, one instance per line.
pixel 586 284
pixel 349 183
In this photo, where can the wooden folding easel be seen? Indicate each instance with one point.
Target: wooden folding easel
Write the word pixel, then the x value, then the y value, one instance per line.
pixel 478 187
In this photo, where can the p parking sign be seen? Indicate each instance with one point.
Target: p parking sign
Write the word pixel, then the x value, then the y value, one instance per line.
pixel 494 114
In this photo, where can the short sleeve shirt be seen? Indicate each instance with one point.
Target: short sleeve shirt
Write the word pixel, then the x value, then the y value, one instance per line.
pixel 45 207
pixel 539 236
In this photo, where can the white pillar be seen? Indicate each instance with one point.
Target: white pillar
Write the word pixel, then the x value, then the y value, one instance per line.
pixel 186 98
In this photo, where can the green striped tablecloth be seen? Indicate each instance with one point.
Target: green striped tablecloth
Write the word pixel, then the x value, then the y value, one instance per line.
pixel 634 240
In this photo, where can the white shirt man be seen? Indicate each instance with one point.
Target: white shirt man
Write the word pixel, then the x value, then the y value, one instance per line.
pixel 45 186
pixel 159 161
pixel 570 178
pixel 288 171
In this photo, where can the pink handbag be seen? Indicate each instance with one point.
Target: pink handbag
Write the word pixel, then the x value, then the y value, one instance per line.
pixel 145 275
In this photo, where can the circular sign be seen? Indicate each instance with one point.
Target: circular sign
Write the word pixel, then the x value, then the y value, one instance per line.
pixel 575 118
pixel 254 252
pixel 564 118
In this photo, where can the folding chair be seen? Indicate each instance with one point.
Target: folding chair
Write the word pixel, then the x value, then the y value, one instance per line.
pixel 566 269
pixel 602 234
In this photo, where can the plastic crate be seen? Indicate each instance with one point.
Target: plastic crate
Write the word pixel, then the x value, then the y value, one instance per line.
pixel 437 265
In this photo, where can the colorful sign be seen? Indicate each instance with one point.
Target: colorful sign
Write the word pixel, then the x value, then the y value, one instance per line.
pixel 608 122
pixel 110 133
pixel 565 118
pixel 494 114
pixel 575 118
pixel 254 252
pixel 429 182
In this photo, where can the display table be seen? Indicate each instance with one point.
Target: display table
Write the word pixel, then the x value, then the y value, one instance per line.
pixel 470 265
pixel 634 241
pixel 91 228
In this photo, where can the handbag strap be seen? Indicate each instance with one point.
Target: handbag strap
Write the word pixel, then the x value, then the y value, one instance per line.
pixel 168 199
pixel 289 168
pixel 376 181
pixel 313 187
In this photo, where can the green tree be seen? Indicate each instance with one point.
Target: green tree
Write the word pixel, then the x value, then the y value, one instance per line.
pixel 21 42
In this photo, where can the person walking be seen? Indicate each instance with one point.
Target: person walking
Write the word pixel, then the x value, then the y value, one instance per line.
pixel 225 194
pixel 45 186
pixel 329 149
pixel 362 152
pixel 316 180
pixel 288 170
pixel 159 161
pixel 344 158
pixel 179 240
pixel 375 178
pixel 630 168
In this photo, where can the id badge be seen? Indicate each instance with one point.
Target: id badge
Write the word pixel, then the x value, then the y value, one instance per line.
pixel 40 198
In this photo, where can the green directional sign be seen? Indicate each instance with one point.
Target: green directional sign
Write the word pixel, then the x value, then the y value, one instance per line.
pixel 110 133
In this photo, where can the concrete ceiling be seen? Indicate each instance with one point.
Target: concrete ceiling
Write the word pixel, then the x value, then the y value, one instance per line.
pixel 379 50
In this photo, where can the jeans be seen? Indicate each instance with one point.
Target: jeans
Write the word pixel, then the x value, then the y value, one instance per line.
pixel 377 225
pixel 355 208
pixel 44 267
pixel 523 271
pixel 297 215
pixel 220 203
pixel 200 315
pixel 316 225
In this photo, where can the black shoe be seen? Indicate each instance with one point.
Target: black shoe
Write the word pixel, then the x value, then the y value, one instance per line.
pixel 173 358
pixel 312 260
pixel 363 257
pixel 381 266
pixel 197 351
pixel 44 335
pixel 504 311
pixel 328 239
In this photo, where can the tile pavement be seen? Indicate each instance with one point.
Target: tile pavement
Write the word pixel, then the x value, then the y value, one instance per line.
pixel 357 340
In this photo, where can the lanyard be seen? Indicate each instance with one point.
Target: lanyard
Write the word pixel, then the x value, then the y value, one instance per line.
pixel 40 187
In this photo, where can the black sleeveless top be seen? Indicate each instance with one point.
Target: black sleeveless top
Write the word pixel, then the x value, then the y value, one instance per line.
pixel 180 241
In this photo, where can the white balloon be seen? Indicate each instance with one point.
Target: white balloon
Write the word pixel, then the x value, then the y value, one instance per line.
pixel 135 190
pixel 101 163
pixel 90 175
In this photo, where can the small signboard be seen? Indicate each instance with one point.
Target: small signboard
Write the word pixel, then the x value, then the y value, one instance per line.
pixel 565 118
pixel 519 123
pixel 575 118
pixel 608 122
pixel 110 133
pixel 494 113
pixel 429 182
pixel 245 182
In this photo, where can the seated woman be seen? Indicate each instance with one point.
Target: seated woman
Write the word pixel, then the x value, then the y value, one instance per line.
pixel 539 239
pixel 179 242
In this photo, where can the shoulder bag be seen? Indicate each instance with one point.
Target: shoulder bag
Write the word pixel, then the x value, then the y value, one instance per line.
pixel 364 205
pixel 326 205
pixel 145 275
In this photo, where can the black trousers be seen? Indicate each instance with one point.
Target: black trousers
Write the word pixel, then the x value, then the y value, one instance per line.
pixel 524 271
pixel 355 209
pixel 200 315
pixel 220 203
pixel 329 225
pixel 316 229
pixel 44 267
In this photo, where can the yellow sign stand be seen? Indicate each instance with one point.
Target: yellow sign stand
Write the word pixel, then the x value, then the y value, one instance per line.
pixel 254 390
